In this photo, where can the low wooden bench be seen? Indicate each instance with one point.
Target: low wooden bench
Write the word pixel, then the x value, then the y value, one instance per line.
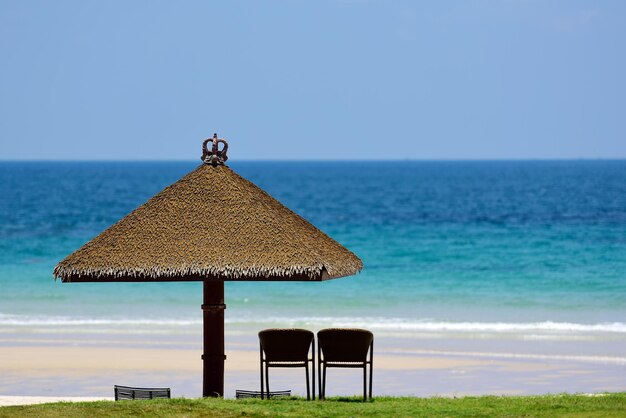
pixel 243 394
pixel 123 393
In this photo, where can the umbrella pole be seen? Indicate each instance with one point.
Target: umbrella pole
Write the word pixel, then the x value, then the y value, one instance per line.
pixel 213 327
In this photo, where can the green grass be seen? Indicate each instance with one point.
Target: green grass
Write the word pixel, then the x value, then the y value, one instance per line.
pixel 609 405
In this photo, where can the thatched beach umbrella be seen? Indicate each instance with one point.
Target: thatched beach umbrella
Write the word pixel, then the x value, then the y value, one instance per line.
pixel 212 226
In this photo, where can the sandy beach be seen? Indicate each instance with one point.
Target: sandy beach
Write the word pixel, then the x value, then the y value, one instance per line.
pixel 40 369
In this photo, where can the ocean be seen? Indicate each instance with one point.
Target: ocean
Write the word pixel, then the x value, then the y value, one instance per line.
pixel 476 250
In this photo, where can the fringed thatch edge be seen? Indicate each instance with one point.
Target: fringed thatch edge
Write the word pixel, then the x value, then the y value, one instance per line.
pixel 317 272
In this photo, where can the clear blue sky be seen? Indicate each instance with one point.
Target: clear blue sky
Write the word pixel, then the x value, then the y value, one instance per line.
pixel 299 79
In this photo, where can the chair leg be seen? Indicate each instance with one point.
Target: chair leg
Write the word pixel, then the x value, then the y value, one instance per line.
pixel 324 384
pixel 364 382
pixel 371 372
pixel 267 381
pixel 371 366
pixel 262 393
pixel 261 369
pixel 319 369
pixel 308 390
pixel 312 371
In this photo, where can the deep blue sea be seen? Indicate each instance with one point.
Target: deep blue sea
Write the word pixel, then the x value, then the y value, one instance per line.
pixel 534 247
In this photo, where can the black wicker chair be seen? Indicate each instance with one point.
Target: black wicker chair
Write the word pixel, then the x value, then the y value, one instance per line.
pixel 339 347
pixel 286 348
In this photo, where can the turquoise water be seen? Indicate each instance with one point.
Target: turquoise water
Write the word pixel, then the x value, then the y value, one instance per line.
pixel 525 247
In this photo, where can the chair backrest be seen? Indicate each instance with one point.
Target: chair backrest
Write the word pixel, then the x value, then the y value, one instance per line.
pixel 286 344
pixel 130 393
pixel 344 344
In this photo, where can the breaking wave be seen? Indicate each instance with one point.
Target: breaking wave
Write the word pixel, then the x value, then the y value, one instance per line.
pixel 374 323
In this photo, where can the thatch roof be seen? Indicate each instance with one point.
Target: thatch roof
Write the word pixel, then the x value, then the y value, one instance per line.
pixel 210 225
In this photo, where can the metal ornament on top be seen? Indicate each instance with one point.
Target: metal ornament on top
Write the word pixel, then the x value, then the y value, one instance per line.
pixel 215 156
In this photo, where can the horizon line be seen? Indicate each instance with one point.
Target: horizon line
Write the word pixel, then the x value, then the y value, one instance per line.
pixel 372 160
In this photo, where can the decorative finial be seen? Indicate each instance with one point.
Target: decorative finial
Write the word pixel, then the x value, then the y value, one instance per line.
pixel 215 156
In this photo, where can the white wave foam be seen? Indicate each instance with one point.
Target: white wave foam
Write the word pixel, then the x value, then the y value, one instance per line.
pixel 383 324
pixel 24 320
pixel 401 324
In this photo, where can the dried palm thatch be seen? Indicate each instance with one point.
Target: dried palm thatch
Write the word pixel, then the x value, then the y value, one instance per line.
pixel 210 225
